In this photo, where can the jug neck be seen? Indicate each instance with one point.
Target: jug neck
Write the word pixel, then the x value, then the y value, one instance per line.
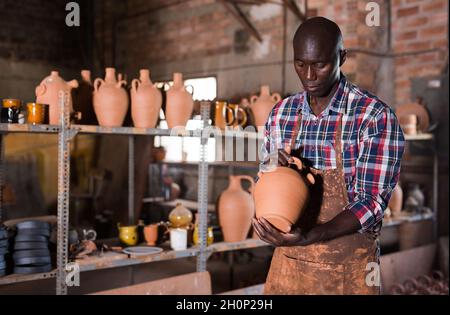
pixel 178 79
pixel 110 75
pixel 265 90
pixel 144 76
pixel 86 76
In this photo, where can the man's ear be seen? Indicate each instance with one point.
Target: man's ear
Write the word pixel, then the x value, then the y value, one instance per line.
pixel 342 57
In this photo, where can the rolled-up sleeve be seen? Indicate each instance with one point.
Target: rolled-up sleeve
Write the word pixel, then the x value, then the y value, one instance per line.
pixel 381 147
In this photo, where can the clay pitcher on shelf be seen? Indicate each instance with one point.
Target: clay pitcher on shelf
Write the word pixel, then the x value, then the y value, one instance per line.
pixel 179 103
pixel 261 106
pixel 47 93
pixel 236 210
pixel 110 100
pixel 82 99
pixel 282 194
pixel 146 101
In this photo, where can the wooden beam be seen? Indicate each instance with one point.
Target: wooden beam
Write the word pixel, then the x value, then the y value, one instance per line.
pixel 234 9
pixel 292 5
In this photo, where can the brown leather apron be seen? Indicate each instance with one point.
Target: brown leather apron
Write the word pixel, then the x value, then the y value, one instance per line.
pixel 337 266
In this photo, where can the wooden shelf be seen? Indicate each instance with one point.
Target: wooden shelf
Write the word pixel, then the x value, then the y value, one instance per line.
pixel 420 136
pixel 17 278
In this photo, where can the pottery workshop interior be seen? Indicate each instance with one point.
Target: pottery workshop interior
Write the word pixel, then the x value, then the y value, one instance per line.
pixel 206 147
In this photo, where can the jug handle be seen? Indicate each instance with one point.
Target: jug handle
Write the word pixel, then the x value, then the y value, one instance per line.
pixel 242 123
pixel 73 84
pixel 226 111
pixel 309 177
pixel 276 97
pixel 251 180
pixel 192 87
pixel 253 99
pixel 135 85
pixel 41 89
pixel 97 83
pixel 121 83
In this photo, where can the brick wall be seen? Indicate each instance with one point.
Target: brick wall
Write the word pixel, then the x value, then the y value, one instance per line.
pixel 418 26
pixel 35 31
pixel 178 36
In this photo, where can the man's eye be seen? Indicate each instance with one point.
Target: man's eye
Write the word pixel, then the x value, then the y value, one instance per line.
pixel 300 64
pixel 320 65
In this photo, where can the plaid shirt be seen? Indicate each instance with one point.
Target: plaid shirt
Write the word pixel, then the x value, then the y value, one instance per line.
pixel 372 140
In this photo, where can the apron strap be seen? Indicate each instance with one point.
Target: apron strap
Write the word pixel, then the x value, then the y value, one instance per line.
pixel 338 142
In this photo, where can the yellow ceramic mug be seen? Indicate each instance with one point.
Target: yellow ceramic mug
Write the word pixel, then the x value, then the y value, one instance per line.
pixel 209 237
pixel 128 234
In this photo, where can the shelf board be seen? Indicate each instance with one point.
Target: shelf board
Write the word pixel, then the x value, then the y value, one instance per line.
pixel 28 128
pixel 407 218
pixel 132 131
pixel 246 244
pixel 17 278
pixel 420 136
pixel 190 204
pixel 114 260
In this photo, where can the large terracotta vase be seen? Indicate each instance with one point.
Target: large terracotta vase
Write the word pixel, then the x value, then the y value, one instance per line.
pixel 396 201
pixel 281 196
pixel 110 100
pixel 262 105
pixel 82 99
pixel 47 93
pixel 146 101
pixel 236 210
pixel 179 103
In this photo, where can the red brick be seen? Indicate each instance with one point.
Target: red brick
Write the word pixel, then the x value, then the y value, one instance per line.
pixel 434 30
pixel 433 6
pixel 407 11
pixel 406 35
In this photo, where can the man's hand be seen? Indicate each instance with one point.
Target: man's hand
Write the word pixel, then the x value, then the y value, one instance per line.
pixel 271 235
pixel 343 224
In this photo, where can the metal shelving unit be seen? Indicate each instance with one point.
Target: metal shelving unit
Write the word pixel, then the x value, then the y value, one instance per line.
pixel 66 132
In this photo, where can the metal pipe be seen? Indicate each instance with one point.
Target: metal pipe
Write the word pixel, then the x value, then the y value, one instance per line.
pixel 131 218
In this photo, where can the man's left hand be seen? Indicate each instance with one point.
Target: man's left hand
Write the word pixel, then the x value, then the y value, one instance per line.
pixel 271 235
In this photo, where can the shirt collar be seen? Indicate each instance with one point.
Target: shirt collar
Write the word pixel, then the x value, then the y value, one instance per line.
pixel 338 103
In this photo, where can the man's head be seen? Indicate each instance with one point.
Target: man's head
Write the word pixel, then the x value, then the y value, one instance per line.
pixel 318 54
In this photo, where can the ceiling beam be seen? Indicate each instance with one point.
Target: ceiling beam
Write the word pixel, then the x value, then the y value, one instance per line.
pixel 292 5
pixel 240 16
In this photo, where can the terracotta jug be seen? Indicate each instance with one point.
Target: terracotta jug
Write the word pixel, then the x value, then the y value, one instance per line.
pixel 82 99
pixel 179 103
pixel 110 100
pixel 236 210
pixel 281 195
pixel 261 106
pixel 47 93
pixel 396 201
pixel 146 101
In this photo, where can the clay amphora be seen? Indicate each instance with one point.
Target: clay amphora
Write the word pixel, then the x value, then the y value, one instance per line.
pixel 180 216
pixel 179 103
pixel 281 195
pixel 396 201
pixel 110 100
pixel 48 93
pixel 236 210
pixel 82 99
pixel 146 101
pixel 261 106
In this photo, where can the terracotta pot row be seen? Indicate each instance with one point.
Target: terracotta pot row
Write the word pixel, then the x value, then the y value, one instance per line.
pixel 110 99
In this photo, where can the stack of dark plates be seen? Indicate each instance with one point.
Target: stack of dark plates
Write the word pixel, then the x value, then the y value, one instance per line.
pixel 31 253
pixel 4 249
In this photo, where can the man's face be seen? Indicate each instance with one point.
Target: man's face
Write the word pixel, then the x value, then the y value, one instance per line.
pixel 317 66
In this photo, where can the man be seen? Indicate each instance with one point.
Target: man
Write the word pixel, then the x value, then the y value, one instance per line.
pixel 354 145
